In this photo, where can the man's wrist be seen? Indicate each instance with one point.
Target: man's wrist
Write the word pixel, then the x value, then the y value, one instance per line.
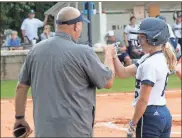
pixel 18 117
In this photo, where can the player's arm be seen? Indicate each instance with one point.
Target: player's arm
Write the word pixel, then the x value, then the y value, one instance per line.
pixel 141 105
pixel 125 36
pixel 148 80
pixel 124 72
pixel 22 89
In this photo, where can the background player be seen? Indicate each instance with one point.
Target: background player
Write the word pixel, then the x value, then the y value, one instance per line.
pixel 151 117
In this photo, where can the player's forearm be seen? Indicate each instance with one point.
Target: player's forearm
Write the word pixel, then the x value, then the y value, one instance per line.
pixel 139 110
pixel 119 68
pixel 20 99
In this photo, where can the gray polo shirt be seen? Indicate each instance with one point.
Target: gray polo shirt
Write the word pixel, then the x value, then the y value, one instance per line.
pixel 63 76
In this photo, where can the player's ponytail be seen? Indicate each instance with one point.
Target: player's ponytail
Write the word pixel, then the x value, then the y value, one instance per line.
pixel 170 56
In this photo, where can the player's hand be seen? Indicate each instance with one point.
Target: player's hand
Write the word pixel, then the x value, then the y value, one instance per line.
pixel 131 130
pixel 24 123
pixel 177 50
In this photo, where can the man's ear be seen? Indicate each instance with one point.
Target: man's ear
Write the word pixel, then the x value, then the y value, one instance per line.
pixel 76 27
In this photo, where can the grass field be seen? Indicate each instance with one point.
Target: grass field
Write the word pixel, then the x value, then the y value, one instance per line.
pixel 125 85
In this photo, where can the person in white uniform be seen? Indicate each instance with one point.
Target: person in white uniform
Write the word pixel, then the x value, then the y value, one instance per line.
pixel 30 27
pixel 177 28
pixel 131 40
pixel 151 118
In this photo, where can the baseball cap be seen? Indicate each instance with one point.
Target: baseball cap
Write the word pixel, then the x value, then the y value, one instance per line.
pixel 80 18
pixel 31 11
pixel 110 33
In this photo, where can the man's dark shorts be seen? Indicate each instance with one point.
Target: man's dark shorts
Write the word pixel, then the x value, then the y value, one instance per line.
pixel 123 56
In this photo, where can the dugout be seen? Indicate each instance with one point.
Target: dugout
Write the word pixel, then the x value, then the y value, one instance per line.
pixel 115 15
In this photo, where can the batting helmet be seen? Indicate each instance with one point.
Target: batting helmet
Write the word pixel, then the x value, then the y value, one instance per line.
pixel 156 31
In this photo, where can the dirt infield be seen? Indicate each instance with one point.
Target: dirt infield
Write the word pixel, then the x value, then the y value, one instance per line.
pixel 112 114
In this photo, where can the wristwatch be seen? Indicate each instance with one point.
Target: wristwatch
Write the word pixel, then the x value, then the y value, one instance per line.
pixel 20 117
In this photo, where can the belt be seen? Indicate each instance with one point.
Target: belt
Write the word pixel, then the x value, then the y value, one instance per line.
pixel 156 105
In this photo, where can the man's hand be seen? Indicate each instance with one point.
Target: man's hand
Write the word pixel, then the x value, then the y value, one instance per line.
pixel 110 51
pixel 131 130
pixel 23 123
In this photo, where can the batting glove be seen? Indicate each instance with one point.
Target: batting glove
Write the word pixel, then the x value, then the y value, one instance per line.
pixel 131 129
pixel 116 46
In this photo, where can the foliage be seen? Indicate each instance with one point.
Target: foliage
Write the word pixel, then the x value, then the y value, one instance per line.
pixel 13 13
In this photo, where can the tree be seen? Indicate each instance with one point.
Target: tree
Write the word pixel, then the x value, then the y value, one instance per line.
pixel 12 14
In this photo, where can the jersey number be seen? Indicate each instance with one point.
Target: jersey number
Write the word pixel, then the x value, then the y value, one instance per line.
pixel 137 86
pixel 165 85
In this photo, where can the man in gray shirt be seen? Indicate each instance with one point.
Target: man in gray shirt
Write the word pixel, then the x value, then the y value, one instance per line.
pixel 63 76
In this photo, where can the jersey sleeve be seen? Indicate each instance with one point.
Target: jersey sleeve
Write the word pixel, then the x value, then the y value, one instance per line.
pixel 126 29
pixel 24 75
pixel 148 75
pixel 23 25
pixel 98 73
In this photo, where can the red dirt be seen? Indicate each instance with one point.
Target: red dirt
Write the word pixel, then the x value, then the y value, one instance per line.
pixel 115 108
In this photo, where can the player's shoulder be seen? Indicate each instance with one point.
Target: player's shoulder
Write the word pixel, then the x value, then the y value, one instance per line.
pixel 155 61
pixel 84 48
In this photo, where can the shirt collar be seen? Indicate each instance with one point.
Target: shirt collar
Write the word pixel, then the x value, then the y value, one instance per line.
pixel 65 35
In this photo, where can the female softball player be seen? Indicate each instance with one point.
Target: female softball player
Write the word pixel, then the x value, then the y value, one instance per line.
pixel 151 118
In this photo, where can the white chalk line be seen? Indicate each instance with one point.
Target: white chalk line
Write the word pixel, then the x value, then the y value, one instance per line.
pixel 98 95
pixel 114 126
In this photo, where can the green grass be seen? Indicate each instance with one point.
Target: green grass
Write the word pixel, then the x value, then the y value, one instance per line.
pixel 124 85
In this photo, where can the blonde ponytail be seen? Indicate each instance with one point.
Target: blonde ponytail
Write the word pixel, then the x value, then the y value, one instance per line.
pixel 170 56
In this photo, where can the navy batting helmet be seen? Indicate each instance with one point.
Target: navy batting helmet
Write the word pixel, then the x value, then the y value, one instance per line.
pixel 156 31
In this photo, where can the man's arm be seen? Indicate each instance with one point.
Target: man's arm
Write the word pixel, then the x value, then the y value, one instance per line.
pixel 20 99
pixel 100 75
pixel 23 30
pixel 23 34
pixel 110 64
pixel 45 19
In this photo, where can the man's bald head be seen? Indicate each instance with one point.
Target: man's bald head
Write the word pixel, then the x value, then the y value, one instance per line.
pixel 68 13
